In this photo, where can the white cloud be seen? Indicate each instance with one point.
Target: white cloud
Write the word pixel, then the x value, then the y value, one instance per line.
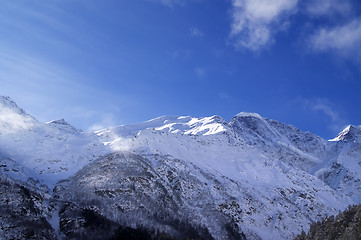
pixel 255 22
pixel 196 33
pixel 344 40
pixel 327 7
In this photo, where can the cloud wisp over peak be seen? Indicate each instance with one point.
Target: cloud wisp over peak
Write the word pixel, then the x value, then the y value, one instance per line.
pixel 336 121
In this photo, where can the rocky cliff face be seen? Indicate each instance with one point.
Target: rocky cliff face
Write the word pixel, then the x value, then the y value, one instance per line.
pixel 172 176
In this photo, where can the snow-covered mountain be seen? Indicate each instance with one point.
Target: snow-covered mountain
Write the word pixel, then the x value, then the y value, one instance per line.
pixel 252 178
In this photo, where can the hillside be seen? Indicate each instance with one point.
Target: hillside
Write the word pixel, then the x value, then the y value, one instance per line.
pixel 174 176
pixel 346 225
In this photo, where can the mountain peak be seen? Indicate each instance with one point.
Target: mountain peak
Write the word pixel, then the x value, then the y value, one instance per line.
pixel 253 124
pixel 6 99
pixel 176 124
pixel 13 118
pixel 7 103
pixel 63 125
pixel 248 114
pixel 253 177
pixel 350 133
pixel 59 121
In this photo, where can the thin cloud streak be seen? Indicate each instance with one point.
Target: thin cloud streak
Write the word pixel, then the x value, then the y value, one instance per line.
pixel 224 96
pixel 48 20
pixel 18 68
pixel 317 8
pixel 37 82
pixel 169 3
pixel 327 108
pixel 200 72
pixel 196 33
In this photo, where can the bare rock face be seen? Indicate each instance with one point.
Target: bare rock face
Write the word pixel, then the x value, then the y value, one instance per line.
pixel 23 213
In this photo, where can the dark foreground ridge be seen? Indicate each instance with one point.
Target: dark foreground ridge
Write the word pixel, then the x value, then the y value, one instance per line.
pixel 346 225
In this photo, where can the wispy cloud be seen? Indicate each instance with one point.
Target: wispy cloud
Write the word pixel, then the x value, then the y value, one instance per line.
pixel 38 20
pixel 22 70
pixel 224 96
pixel 327 7
pixel 196 32
pixel 255 22
pixel 43 63
pixel 106 120
pixel 50 90
pixel 28 77
pixel 182 54
pixel 13 121
pixel 327 108
pixel 200 72
pixel 344 40
pixel 169 3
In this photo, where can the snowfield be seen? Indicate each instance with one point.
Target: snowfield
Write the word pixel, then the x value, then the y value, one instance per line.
pixel 251 178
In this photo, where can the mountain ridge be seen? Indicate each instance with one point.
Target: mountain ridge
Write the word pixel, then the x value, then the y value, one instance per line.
pixel 252 177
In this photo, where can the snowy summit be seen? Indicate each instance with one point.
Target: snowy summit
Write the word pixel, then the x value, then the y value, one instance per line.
pixel 251 178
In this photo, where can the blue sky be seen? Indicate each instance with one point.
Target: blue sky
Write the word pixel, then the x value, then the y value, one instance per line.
pixel 106 63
